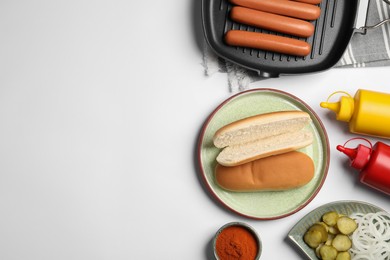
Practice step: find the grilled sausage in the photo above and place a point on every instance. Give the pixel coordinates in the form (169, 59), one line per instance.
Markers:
(287, 8)
(313, 2)
(272, 22)
(267, 42)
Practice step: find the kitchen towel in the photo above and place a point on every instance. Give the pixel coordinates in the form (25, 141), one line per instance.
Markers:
(369, 50)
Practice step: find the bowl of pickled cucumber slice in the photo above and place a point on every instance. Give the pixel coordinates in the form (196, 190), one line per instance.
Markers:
(329, 231)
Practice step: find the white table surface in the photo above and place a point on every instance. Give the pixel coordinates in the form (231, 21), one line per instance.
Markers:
(101, 104)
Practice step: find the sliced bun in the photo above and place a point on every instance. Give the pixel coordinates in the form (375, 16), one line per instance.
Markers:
(263, 135)
(239, 154)
(279, 172)
(259, 127)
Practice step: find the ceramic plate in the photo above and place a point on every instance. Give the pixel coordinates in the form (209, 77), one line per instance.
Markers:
(342, 207)
(264, 204)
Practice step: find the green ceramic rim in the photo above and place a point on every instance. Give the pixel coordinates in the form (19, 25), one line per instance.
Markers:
(263, 205)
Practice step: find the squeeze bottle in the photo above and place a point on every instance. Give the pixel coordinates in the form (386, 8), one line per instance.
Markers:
(373, 163)
(368, 112)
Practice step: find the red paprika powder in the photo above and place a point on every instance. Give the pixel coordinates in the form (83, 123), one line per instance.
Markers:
(236, 242)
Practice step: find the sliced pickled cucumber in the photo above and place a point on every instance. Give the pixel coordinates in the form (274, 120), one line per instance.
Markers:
(341, 242)
(330, 218)
(343, 256)
(320, 228)
(330, 237)
(313, 238)
(346, 225)
(328, 252)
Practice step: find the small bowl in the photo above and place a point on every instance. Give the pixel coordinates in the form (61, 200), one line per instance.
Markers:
(238, 224)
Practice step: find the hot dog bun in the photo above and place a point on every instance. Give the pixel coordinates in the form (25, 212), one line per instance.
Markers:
(239, 154)
(279, 172)
(262, 135)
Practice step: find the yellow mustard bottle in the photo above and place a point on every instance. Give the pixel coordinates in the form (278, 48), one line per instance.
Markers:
(368, 112)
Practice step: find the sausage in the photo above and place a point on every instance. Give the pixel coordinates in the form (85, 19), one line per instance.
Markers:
(295, 9)
(313, 2)
(267, 42)
(272, 22)
(279, 172)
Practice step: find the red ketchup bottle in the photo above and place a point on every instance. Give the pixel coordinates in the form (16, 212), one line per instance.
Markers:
(373, 163)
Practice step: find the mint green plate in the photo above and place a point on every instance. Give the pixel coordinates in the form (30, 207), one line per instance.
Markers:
(265, 204)
(342, 207)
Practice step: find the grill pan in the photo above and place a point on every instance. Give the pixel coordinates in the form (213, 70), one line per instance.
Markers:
(338, 21)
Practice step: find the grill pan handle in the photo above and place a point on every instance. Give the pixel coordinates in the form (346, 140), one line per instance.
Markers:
(360, 23)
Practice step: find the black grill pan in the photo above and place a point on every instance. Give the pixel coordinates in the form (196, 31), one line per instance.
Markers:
(333, 31)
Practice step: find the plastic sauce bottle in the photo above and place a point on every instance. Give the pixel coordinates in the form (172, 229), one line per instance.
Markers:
(368, 112)
(373, 163)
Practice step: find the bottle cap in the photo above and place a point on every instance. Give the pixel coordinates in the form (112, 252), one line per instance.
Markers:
(343, 109)
(359, 156)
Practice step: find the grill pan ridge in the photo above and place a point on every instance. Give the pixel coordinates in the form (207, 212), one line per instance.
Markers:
(333, 31)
